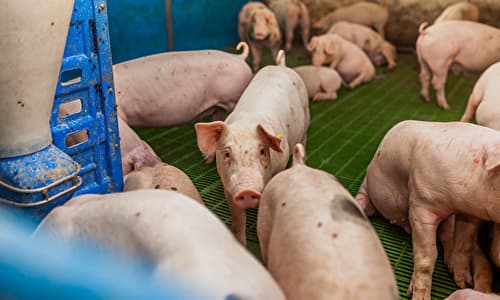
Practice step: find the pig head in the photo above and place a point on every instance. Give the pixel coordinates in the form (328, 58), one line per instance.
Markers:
(323, 49)
(243, 157)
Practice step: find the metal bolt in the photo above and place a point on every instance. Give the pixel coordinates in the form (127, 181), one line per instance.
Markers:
(101, 7)
(110, 90)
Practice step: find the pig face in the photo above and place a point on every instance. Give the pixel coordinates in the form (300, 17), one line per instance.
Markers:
(323, 50)
(243, 157)
(262, 21)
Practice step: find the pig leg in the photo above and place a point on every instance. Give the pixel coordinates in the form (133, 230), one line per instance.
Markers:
(358, 80)
(291, 21)
(238, 218)
(446, 236)
(364, 200)
(264, 227)
(387, 53)
(474, 100)
(257, 56)
(424, 225)
(483, 274)
(425, 78)
(438, 82)
(324, 96)
(274, 51)
(305, 23)
(466, 228)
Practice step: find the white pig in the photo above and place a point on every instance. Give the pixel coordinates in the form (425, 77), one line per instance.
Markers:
(468, 294)
(459, 45)
(421, 173)
(484, 101)
(181, 87)
(465, 11)
(182, 238)
(161, 176)
(291, 14)
(258, 26)
(316, 241)
(348, 59)
(255, 140)
(378, 49)
(321, 82)
(365, 13)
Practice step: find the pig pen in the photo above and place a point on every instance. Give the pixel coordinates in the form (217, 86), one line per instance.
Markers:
(342, 139)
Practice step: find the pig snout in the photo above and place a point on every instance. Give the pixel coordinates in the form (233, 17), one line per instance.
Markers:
(260, 33)
(247, 198)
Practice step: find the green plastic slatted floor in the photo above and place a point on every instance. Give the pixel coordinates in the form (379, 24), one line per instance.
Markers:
(342, 138)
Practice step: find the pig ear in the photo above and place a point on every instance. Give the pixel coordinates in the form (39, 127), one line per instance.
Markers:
(274, 141)
(208, 135)
(491, 159)
(330, 47)
(313, 43)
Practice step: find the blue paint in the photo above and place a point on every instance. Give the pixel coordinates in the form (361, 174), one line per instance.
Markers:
(44, 268)
(137, 28)
(205, 24)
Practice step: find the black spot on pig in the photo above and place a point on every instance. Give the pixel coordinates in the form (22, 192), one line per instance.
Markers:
(320, 224)
(343, 209)
(52, 24)
(173, 188)
(283, 204)
(234, 297)
(157, 186)
(334, 235)
(137, 214)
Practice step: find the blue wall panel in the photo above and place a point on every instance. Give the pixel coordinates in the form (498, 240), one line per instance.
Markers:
(137, 28)
(205, 24)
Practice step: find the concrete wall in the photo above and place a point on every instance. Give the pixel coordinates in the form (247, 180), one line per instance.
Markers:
(406, 15)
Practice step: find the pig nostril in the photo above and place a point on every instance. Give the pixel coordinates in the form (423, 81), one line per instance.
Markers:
(254, 197)
(240, 198)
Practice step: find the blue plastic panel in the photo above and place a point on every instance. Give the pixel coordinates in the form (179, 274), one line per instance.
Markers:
(86, 75)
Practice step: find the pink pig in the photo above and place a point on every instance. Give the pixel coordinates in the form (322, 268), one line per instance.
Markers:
(255, 140)
(291, 14)
(422, 173)
(348, 59)
(459, 45)
(178, 88)
(257, 25)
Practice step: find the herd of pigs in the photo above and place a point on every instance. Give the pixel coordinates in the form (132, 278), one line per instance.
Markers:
(435, 180)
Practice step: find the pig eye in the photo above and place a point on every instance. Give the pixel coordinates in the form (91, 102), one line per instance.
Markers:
(227, 154)
(262, 151)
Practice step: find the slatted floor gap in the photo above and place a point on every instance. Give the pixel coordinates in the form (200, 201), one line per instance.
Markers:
(342, 137)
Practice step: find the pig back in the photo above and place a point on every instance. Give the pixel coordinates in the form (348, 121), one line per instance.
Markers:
(277, 97)
(319, 232)
(177, 88)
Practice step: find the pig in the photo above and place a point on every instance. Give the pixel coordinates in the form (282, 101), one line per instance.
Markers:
(135, 152)
(378, 49)
(255, 140)
(484, 100)
(454, 44)
(348, 59)
(161, 176)
(321, 82)
(258, 26)
(182, 239)
(459, 237)
(291, 14)
(423, 172)
(468, 294)
(315, 240)
(177, 88)
(465, 11)
(364, 13)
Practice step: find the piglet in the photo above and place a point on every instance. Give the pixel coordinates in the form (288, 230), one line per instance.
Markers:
(316, 241)
(459, 45)
(364, 13)
(484, 101)
(291, 14)
(255, 140)
(177, 88)
(161, 176)
(378, 49)
(423, 172)
(180, 237)
(321, 82)
(348, 59)
(468, 294)
(464, 11)
(257, 25)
